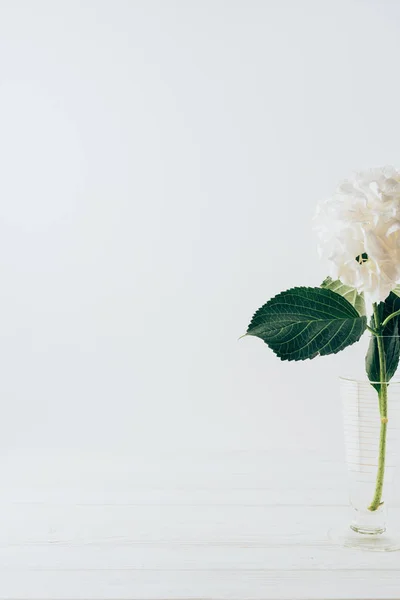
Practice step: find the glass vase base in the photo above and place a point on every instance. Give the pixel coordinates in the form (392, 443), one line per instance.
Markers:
(376, 542)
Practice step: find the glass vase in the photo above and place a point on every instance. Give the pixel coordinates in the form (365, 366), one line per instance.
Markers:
(372, 444)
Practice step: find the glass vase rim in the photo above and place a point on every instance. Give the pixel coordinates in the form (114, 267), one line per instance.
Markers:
(376, 335)
(366, 381)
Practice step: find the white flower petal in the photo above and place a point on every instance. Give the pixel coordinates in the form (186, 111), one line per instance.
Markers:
(363, 216)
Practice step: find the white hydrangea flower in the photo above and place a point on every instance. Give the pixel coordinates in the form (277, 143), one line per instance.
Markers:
(362, 219)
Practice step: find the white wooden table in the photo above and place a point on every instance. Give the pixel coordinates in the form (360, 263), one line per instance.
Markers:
(219, 526)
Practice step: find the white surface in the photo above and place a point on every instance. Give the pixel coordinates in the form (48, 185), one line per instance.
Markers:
(235, 526)
(160, 165)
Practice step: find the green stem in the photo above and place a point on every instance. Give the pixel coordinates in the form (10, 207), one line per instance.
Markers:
(386, 321)
(370, 329)
(382, 394)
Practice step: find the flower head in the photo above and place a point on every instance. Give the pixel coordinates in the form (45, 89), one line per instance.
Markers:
(358, 230)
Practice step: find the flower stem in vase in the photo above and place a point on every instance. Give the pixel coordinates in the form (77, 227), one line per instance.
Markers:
(382, 395)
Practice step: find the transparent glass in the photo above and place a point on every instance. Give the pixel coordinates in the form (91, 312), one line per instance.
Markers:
(362, 431)
(371, 424)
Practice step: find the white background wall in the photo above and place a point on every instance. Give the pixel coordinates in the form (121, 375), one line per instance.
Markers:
(159, 167)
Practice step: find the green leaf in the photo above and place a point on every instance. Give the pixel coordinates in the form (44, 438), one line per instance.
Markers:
(396, 290)
(304, 322)
(391, 342)
(348, 292)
